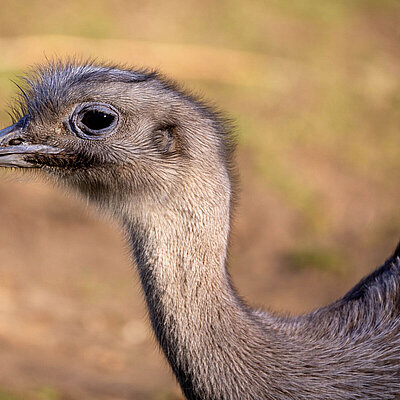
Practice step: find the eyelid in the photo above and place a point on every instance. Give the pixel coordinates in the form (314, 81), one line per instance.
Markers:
(75, 125)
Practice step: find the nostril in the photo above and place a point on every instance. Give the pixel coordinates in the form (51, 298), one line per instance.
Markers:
(15, 142)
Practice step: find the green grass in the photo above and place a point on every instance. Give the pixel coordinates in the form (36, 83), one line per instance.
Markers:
(5, 395)
(47, 393)
(313, 257)
(41, 393)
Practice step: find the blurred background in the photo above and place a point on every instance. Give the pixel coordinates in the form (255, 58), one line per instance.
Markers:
(314, 89)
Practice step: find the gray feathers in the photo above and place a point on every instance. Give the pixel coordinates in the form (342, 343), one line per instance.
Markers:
(47, 86)
(166, 175)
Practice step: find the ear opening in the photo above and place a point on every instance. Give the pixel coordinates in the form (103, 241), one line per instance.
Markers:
(167, 140)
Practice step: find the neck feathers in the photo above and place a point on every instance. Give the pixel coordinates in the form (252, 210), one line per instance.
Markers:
(180, 250)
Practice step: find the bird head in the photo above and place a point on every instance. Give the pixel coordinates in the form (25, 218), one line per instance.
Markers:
(113, 133)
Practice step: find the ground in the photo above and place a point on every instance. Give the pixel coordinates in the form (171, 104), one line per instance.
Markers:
(315, 94)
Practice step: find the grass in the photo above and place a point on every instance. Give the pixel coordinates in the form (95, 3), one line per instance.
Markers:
(5, 395)
(312, 86)
(47, 393)
(41, 393)
(313, 257)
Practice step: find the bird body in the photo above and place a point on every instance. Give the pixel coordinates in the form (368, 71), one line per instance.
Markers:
(160, 161)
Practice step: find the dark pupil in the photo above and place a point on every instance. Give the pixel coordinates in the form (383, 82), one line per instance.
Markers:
(97, 120)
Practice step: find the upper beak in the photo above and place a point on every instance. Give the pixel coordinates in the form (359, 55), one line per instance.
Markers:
(14, 147)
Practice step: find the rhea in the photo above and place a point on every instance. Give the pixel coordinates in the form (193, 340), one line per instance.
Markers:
(160, 161)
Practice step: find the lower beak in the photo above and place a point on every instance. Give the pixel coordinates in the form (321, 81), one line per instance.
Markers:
(15, 149)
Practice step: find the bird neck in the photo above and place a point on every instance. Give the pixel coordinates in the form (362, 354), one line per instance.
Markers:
(180, 251)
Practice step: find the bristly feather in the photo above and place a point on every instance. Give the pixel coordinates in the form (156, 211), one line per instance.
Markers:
(45, 86)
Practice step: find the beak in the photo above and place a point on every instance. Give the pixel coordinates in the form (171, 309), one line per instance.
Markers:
(14, 148)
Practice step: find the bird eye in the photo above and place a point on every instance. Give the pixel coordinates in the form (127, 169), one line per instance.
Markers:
(97, 120)
(94, 120)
